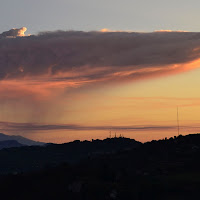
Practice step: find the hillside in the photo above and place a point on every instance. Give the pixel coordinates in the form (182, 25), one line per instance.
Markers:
(166, 169)
(31, 158)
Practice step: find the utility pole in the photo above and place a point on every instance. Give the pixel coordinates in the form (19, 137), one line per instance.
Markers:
(178, 121)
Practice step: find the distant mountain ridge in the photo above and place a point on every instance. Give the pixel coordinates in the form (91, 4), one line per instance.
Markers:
(9, 144)
(20, 139)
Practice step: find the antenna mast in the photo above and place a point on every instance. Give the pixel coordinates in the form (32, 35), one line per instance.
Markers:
(178, 121)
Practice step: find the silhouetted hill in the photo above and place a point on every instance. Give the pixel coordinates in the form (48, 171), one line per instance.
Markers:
(20, 139)
(165, 169)
(9, 144)
(30, 158)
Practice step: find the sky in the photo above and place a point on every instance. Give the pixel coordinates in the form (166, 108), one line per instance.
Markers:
(135, 15)
(78, 70)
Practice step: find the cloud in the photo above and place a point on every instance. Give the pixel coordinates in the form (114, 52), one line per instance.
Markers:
(109, 30)
(42, 69)
(169, 31)
(12, 126)
(105, 30)
(87, 57)
(15, 32)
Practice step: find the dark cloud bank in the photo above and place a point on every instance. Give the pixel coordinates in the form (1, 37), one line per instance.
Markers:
(11, 126)
(95, 55)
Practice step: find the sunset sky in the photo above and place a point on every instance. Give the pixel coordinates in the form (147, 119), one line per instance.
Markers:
(124, 68)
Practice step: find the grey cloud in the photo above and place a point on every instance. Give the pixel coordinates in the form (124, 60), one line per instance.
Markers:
(99, 55)
(15, 32)
(11, 126)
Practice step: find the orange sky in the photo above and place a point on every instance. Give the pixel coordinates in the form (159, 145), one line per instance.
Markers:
(149, 102)
(88, 101)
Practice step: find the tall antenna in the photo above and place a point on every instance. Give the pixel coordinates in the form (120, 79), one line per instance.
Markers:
(178, 121)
